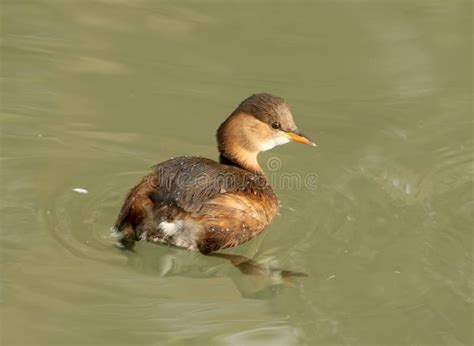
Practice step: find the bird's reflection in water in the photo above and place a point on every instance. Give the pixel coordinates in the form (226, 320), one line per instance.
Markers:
(253, 278)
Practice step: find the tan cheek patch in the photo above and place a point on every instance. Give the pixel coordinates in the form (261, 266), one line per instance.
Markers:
(262, 137)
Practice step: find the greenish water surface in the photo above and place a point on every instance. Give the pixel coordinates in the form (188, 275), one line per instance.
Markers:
(95, 92)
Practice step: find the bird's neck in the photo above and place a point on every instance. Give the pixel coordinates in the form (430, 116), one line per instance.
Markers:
(242, 159)
(236, 144)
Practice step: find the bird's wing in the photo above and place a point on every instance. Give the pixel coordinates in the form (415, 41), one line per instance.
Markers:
(190, 182)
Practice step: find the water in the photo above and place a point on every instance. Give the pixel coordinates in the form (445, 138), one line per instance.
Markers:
(95, 92)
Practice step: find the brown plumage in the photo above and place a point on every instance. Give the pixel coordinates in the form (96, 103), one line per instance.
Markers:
(200, 204)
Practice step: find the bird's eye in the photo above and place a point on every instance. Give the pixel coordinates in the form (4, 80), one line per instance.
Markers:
(276, 125)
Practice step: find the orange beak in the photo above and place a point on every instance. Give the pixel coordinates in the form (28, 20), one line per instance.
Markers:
(299, 137)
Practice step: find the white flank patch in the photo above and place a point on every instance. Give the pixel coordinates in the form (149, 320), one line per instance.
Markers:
(273, 142)
(80, 190)
(170, 228)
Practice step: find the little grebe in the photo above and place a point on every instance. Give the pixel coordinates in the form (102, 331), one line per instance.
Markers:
(200, 204)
